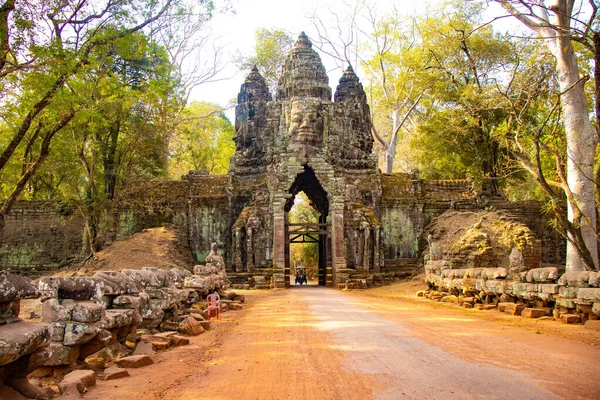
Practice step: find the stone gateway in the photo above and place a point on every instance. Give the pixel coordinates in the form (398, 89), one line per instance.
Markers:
(304, 141)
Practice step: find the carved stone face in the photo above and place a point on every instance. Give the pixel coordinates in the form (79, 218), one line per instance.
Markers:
(306, 122)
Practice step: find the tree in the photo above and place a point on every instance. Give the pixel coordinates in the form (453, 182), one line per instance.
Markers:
(46, 46)
(306, 253)
(203, 141)
(558, 22)
(270, 50)
(463, 65)
(360, 37)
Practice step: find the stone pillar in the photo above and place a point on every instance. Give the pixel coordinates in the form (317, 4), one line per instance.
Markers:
(367, 247)
(377, 251)
(237, 250)
(249, 249)
(279, 242)
(336, 211)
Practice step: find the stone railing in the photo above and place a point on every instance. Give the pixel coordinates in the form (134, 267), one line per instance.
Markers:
(97, 315)
(573, 297)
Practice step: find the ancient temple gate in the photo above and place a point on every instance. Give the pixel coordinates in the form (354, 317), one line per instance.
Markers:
(303, 141)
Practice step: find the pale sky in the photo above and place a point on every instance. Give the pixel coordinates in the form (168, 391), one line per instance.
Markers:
(236, 33)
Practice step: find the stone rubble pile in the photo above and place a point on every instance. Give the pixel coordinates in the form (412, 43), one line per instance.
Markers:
(89, 322)
(573, 297)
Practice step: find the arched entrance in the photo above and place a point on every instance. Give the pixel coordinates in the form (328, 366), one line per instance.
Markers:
(318, 232)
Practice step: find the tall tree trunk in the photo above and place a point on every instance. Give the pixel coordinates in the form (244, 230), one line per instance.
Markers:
(390, 153)
(582, 140)
(44, 151)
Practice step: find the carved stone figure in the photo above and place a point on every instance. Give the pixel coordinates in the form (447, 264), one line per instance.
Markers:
(306, 122)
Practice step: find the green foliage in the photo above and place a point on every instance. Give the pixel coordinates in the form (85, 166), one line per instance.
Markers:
(203, 141)
(306, 254)
(270, 50)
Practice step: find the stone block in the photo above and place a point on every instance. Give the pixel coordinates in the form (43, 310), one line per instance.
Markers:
(79, 381)
(535, 312)
(235, 306)
(502, 306)
(485, 307)
(549, 288)
(177, 340)
(138, 302)
(579, 279)
(569, 319)
(191, 327)
(54, 355)
(135, 361)
(588, 294)
(87, 311)
(114, 373)
(592, 324)
(542, 275)
(567, 292)
(514, 309)
(78, 333)
(19, 339)
(54, 311)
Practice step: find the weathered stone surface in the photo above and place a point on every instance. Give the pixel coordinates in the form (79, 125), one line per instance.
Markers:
(19, 339)
(115, 283)
(535, 312)
(77, 381)
(542, 275)
(78, 333)
(87, 311)
(579, 279)
(8, 291)
(588, 294)
(177, 340)
(114, 373)
(485, 307)
(24, 286)
(76, 288)
(514, 309)
(190, 326)
(135, 361)
(569, 319)
(54, 311)
(143, 278)
(53, 355)
(102, 339)
(235, 306)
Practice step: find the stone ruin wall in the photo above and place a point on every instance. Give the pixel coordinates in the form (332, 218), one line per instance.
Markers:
(101, 318)
(40, 237)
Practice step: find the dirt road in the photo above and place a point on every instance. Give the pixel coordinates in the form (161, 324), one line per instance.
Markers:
(316, 343)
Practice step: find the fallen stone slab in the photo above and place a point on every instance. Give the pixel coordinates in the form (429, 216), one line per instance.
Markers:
(21, 338)
(485, 307)
(514, 309)
(177, 340)
(79, 380)
(135, 361)
(235, 306)
(114, 373)
(191, 327)
(535, 312)
(569, 319)
(592, 324)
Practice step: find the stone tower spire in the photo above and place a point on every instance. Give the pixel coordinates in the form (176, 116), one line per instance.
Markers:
(303, 73)
(254, 88)
(349, 87)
